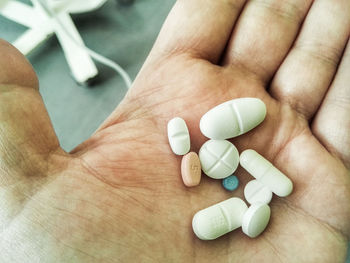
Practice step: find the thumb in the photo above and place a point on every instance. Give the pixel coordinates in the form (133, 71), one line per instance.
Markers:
(27, 138)
(14, 68)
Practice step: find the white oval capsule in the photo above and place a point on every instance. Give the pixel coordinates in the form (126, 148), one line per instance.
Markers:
(256, 219)
(256, 192)
(178, 135)
(219, 219)
(232, 118)
(266, 173)
(219, 158)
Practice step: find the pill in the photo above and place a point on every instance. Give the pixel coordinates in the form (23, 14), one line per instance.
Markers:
(256, 219)
(179, 138)
(219, 219)
(266, 173)
(230, 183)
(191, 169)
(232, 118)
(219, 158)
(256, 192)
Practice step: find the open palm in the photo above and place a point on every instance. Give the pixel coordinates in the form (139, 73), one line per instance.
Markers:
(119, 197)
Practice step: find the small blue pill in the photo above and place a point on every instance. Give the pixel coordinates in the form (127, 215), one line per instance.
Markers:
(230, 183)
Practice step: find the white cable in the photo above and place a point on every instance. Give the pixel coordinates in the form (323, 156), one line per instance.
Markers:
(106, 61)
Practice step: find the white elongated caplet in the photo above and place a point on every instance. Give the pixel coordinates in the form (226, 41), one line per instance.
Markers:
(232, 118)
(219, 219)
(266, 173)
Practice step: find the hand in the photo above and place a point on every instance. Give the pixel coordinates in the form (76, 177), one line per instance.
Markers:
(119, 197)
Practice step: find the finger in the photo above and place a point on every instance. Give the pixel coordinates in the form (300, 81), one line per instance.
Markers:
(199, 28)
(309, 68)
(264, 34)
(332, 122)
(26, 134)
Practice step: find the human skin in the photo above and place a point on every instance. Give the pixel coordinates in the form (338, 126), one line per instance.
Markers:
(119, 197)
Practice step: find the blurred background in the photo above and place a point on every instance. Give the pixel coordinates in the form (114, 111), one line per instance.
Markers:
(122, 30)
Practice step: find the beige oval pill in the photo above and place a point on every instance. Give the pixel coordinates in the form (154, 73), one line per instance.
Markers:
(191, 169)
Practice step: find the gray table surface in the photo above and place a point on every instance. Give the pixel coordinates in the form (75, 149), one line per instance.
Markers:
(122, 33)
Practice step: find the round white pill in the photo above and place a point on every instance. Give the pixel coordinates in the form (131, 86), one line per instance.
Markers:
(178, 135)
(219, 219)
(256, 219)
(232, 118)
(266, 173)
(219, 158)
(256, 192)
